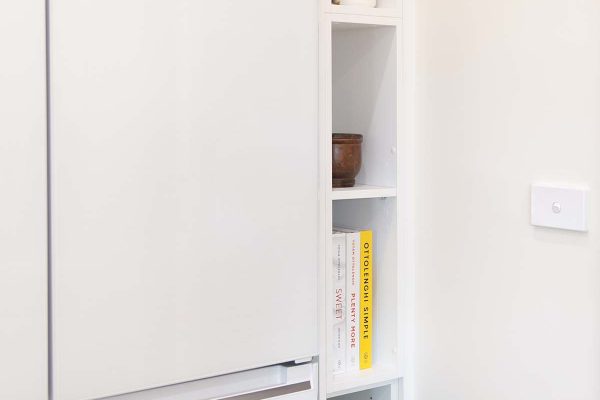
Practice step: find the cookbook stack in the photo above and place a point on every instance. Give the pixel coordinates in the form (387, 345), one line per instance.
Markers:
(352, 299)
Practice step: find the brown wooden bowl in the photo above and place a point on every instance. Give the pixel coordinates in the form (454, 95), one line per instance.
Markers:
(347, 158)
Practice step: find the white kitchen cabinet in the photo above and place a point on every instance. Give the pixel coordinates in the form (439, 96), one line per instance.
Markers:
(23, 239)
(184, 190)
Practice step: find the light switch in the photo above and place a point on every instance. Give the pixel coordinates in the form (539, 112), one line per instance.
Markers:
(559, 207)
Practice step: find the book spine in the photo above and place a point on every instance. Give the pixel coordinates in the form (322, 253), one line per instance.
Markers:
(339, 300)
(352, 300)
(366, 298)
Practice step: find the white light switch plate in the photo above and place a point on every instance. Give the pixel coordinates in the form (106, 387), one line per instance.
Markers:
(559, 207)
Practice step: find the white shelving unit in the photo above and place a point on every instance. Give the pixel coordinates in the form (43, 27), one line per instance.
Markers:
(362, 91)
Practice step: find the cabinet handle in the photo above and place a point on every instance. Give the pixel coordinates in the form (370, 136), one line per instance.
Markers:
(272, 392)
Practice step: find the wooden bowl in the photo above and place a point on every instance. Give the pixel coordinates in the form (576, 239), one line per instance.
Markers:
(347, 158)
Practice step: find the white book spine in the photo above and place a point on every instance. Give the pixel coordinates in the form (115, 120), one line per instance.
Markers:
(352, 300)
(339, 302)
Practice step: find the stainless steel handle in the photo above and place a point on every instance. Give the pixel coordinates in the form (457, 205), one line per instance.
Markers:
(256, 384)
(272, 392)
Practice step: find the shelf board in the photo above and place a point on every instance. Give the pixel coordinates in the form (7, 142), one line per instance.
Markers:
(361, 380)
(364, 11)
(362, 192)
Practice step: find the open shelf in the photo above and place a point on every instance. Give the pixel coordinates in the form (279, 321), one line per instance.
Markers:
(362, 192)
(380, 216)
(364, 96)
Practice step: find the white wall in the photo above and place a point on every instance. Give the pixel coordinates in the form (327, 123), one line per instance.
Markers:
(508, 94)
(23, 265)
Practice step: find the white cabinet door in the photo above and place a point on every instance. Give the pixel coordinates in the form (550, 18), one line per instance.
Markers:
(184, 189)
(23, 255)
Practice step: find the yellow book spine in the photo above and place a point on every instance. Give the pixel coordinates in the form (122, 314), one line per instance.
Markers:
(366, 298)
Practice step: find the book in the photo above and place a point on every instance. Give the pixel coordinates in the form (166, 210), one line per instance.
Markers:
(359, 298)
(339, 302)
(352, 298)
(366, 298)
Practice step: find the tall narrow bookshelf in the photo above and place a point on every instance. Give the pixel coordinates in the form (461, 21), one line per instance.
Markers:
(362, 91)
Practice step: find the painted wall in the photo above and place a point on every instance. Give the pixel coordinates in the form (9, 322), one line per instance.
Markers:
(508, 93)
(23, 265)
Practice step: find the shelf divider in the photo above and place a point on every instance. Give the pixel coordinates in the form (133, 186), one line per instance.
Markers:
(361, 380)
(390, 12)
(363, 192)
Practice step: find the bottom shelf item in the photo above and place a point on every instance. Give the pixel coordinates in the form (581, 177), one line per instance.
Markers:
(353, 299)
